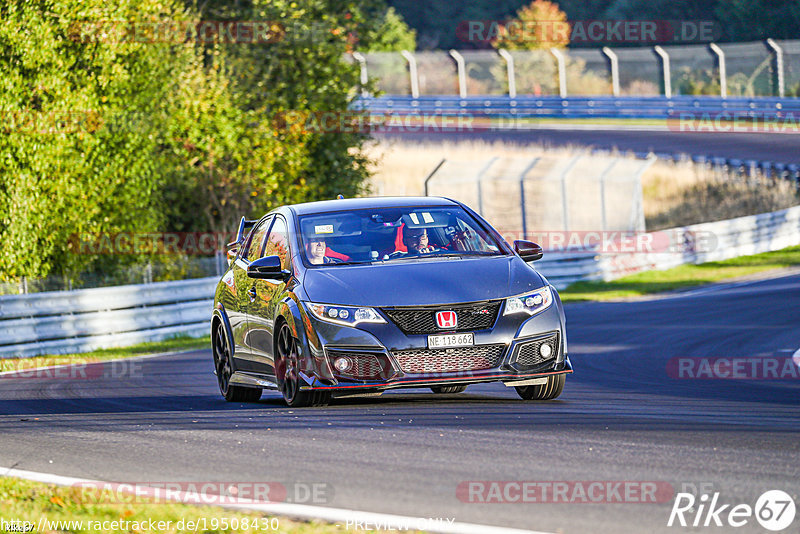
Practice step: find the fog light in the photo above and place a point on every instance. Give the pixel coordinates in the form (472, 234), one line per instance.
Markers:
(545, 350)
(342, 364)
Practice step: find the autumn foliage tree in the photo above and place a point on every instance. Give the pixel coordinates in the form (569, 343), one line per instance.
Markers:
(539, 25)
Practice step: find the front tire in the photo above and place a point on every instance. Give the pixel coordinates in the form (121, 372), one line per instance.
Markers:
(448, 389)
(548, 391)
(224, 369)
(287, 373)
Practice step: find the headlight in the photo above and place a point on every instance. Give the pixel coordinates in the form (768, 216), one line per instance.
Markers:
(344, 315)
(530, 303)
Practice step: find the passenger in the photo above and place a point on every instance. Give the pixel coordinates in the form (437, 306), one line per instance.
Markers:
(315, 248)
(417, 241)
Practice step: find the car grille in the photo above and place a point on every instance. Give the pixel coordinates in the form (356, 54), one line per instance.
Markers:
(366, 365)
(449, 360)
(528, 352)
(422, 320)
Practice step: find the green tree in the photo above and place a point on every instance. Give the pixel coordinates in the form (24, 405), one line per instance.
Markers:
(77, 153)
(176, 134)
(393, 34)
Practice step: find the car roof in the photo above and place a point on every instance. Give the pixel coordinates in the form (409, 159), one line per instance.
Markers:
(347, 204)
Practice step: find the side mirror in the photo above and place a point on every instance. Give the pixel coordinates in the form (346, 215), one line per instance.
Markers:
(267, 268)
(528, 251)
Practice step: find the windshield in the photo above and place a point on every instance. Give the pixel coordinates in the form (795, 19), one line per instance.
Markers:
(393, 234)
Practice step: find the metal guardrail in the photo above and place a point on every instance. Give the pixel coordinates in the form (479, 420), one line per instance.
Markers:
(90, 319)
(698, 243)
(576, 107)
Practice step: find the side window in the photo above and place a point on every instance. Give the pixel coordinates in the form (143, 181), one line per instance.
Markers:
(278, 242)
(256, 244)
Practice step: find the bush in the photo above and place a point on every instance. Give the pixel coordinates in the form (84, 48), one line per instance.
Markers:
(136, 135)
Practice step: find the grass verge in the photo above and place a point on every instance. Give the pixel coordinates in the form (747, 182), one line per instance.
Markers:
(682, 277)
(175, 344)
(74, 508)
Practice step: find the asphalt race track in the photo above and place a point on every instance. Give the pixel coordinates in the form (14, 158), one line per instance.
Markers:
(782, 148)
(621, 418)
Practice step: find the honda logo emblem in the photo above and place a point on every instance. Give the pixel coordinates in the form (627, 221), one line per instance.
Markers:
(446, 319)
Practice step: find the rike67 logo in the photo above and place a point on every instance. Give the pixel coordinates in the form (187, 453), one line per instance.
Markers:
(774, 510)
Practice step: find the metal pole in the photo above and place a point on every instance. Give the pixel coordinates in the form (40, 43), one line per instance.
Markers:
(412, 72)
(512, 80)
(479, 179)
(562, 72)
(779, 75)
(723, 73)
(603, 193)
(434, 171)
(462, 73)
(362, 62)
(666, 70)
(571, 164)
(531, 165)
(637, 216)
(614, 60)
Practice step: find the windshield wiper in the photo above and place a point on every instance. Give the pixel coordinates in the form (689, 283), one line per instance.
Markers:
(465, 253)
(348, 263)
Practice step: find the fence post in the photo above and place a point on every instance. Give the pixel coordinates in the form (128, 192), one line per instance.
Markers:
(637, 215)
(462, 73)
(434, 171)
(564, 203)
(531, 165)
(723, 73)
(362, 62)
(603, 175)
(665, 69)
(562, 72)
(614, 61)
(479, 179)
(512, 80)
(412, 72)
(778, 77)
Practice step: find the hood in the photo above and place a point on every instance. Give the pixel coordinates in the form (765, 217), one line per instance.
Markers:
(421, 283)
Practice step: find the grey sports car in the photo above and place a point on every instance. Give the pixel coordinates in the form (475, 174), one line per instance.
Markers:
(357, 296)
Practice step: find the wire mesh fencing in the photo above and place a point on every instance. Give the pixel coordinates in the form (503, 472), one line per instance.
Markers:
(522, 196)
(768, 68)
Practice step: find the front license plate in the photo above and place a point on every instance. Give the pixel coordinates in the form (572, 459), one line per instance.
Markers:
(451, 340)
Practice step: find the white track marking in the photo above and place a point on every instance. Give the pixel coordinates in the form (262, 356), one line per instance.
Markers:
(300, 511)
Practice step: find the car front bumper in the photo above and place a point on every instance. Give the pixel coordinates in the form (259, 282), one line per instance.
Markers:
(389, 353)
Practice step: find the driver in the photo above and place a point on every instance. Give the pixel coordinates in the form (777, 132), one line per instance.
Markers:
(416, 240)
(315, 248)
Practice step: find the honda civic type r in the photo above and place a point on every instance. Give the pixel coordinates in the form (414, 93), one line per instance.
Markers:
(357, 296)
